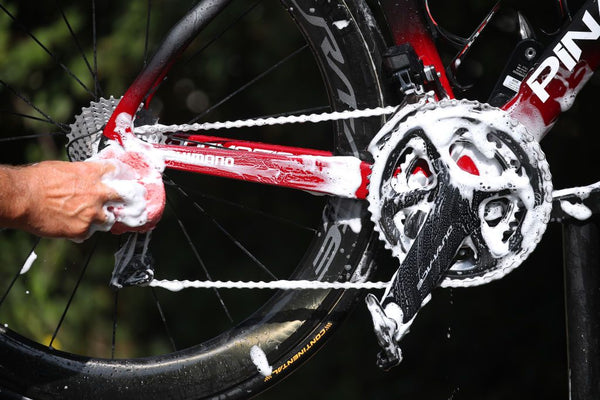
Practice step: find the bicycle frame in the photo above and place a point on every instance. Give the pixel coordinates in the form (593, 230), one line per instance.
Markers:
(548, 90)
(565, 67)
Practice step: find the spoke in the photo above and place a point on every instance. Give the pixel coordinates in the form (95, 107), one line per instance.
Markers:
(77, 43)
(163, 319)
(253, 211)
(79, 279)
(312, 110)
(33, 136)
(26, 116)
(199, 259)
(16, 276)
(236, 242)
(147, 34)
(49, 119)
(248, 84)
(97, 87)
(43, 47)
(81, 138)
(114, 326)
(224, 30)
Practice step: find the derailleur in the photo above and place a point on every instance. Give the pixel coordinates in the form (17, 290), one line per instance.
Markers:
(461, 194)
(134, 265)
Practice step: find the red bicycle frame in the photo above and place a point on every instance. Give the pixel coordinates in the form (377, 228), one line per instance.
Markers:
(549, 89)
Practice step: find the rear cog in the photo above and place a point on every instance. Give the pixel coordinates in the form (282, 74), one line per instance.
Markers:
(86, 131)
(489, 158)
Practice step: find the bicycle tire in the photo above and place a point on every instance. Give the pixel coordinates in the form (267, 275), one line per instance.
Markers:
(292, 325)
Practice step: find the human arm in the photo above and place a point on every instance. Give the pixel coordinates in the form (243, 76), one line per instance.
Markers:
(54, 198)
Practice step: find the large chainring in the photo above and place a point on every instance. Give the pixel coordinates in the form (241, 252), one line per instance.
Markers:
(429, 149)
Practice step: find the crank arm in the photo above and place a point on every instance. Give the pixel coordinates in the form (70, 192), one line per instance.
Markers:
(314, 171)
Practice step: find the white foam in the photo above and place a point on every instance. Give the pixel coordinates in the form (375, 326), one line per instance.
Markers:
(355, 224)
(576, 210)
(27, 266)
(341, 24)
(462, 128)
(259, 358)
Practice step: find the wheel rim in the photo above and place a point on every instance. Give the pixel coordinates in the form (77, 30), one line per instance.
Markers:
(336, 207)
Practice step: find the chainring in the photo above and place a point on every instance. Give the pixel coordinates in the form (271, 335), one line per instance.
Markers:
(494, 162)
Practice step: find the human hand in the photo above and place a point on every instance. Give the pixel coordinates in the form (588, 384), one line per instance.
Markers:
(56, 198)
(138, 179)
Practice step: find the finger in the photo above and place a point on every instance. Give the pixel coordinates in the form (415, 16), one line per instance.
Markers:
(111, 195)
(105, 217)
(104, 167)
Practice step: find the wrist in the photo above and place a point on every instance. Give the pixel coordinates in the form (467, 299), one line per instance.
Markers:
(14, 196)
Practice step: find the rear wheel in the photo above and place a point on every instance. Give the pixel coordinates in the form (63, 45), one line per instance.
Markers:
(288, 327)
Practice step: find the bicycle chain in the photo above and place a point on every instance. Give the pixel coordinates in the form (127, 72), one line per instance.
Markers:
(176, 285)
(86, 132)
(291, 119)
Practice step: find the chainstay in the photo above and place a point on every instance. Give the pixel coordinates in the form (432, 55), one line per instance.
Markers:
(176, 285)
(292, 119)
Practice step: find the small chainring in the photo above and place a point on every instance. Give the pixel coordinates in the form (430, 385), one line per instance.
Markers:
(493, 162)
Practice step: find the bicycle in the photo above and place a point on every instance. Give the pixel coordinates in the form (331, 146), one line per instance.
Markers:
(293, 324)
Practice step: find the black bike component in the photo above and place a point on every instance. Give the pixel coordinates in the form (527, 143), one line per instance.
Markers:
(385, 331)
(407, 72)
(134, 265)
(408, 156)
(522, 59)
(292, 325)
(581, 244)
(451, 220)
(457, 61)
(405, 68)
(460, 195)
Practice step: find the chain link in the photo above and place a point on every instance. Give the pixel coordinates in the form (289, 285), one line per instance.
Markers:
(99, 112)
(292, 119)
(175, 285)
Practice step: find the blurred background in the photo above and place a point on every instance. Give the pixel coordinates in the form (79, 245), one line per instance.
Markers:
(503, 340)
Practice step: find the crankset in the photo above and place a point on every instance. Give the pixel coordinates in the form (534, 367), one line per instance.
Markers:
(461, 194)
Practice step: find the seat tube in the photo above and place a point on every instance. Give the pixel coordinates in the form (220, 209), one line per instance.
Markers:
(174, 43)
(407, 23)
(581, 244)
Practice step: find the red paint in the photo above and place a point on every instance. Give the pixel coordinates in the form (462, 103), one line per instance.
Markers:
(407, 24)
(466, 164)
(305, 172)
(146, 175)
(234, 144)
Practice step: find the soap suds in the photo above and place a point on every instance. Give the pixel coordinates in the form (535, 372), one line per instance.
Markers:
(259, 358)
(27, 265)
